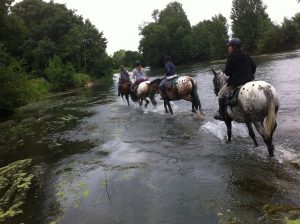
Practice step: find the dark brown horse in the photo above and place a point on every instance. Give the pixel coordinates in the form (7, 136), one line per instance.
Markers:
(183, 88)
(125, 90)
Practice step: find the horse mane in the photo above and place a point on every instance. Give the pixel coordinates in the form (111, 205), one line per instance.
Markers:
(219, 80)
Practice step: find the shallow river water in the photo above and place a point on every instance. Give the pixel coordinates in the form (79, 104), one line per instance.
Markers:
(96, 160)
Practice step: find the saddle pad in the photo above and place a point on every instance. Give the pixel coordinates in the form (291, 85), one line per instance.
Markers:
(171, 82)
(171, 77)
(147, 82)
(231, 96)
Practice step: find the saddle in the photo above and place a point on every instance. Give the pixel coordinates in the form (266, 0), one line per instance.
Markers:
(170, 81)
(231, 96)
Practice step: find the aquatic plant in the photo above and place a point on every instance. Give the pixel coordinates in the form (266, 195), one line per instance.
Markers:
(15, 181)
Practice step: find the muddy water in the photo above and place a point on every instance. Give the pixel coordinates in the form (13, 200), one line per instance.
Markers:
(96, 160)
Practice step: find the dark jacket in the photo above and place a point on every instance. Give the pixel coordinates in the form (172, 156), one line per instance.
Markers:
(124, 76)
(169, 69)
(240, 68)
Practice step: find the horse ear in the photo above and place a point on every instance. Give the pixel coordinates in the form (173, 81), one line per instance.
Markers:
(214, 71)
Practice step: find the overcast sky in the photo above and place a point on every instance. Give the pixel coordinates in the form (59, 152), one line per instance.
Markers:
(119, 19)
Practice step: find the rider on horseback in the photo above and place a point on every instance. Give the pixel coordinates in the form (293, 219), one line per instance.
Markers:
(124, 77)
(240, 68)
(170, 71)
(138, 76)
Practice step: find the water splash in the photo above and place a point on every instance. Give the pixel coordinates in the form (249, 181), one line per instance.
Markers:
(218, 128)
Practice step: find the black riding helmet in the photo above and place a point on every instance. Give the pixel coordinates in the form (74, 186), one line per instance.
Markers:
(137, 63)
(234, 42)
(167, 58)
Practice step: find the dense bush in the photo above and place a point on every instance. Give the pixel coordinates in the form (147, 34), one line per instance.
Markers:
(14, 91)
(81, 79)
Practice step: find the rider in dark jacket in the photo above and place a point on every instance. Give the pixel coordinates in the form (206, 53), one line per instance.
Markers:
(169, 71)
(240, 68)
(123, 77)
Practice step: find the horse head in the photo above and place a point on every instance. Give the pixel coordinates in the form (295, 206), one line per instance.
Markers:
(219, 80)
(154, 86)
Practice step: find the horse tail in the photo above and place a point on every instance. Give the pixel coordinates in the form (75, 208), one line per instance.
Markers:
(270, 121)
(195, 96)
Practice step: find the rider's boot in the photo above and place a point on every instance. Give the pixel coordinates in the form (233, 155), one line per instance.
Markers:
(222, 107)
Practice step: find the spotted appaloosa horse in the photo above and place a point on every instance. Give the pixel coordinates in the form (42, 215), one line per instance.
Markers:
(257, 103)
(125, 90)
(145, 90)
(185, 88)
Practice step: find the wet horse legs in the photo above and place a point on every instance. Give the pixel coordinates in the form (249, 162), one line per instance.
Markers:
(251, 133)
(167, 103)
(267, 139)
(228, 125)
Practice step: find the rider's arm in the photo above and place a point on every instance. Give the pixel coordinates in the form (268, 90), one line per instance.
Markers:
(228, 67)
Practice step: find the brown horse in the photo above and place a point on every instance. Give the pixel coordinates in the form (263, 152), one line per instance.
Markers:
(184, 88)
(146, 90)
(125, 90)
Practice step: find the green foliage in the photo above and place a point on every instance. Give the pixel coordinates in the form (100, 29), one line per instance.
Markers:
(247, 16)
(13, 86)
(171, 34)
(59, 75)
(126, 58)
(81, 79)
(38, 87)
(166, 35)
(15, 181)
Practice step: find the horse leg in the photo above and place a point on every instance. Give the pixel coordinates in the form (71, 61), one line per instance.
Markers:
(229, 127)
(127, 98)
(165, 105)
(140, 102)
(193, 107)
(170, 108)
(251, 132)
(267, 139)
(153, 101)
(147, 101)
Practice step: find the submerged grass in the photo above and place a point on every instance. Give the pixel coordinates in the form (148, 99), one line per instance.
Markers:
(15, 181)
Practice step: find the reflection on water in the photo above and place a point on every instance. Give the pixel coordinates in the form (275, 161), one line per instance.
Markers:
(96, 160)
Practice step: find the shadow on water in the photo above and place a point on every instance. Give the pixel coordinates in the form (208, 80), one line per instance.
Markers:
(97, 160)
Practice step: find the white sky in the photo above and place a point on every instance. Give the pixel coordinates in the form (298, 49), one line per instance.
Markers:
(119, 19)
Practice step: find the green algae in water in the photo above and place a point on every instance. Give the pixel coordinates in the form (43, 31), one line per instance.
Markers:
(15, 182)
(286, 213)
(297, 221)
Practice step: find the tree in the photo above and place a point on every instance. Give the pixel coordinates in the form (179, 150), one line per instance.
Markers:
(218, 36)
(200, 46)
(246, 17)
(289, 34)
(166, 35)
(13, 84)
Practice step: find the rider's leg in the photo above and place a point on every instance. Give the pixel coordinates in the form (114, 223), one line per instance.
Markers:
(222, 104)
(162, 89)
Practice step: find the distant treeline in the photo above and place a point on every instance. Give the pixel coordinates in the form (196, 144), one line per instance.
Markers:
(172, 34)
(47, 47)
